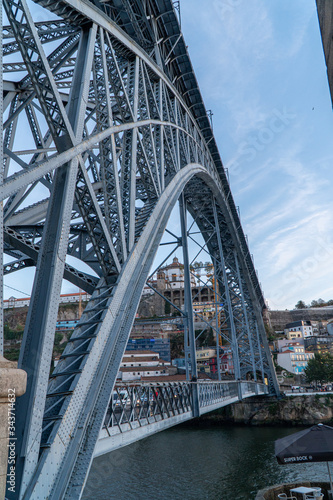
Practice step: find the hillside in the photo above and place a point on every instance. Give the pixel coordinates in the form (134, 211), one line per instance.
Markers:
(278, 319)
(14, 321)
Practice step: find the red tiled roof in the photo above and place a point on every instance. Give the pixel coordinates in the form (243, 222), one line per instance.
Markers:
(166, 378)
(128, 359)
(172, 378)
(133, 353)
(141, 368)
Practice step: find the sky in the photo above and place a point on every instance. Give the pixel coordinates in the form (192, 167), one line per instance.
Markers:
(261, 70)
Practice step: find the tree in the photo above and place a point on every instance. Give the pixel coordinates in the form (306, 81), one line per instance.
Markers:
(208, 267)
(206, 338)
(319, 368)
(300, 305)
(197, 266)
(177, 345)
(167, 308)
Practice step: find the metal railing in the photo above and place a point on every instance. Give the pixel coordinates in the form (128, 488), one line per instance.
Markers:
(134, 404)
(147, 403)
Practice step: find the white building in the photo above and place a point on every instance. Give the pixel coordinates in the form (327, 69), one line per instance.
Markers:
(138, 364)
(67, 298)
(293, 357)
(174, 275)
(281, 343)
(330, 328)
(302, 326)
(13, 302)
(294, 334)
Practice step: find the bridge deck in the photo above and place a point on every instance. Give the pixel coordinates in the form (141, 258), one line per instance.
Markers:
(138, 411)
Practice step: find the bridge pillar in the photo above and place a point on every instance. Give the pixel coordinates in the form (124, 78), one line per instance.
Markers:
(189, 307)
(260, 355)
(227, 296)
(240, 393)
(247, 325)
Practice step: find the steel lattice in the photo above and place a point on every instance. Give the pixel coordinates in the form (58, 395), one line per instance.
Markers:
(115, 133)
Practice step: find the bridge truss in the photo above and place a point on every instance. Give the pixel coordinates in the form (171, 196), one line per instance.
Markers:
(104, 132)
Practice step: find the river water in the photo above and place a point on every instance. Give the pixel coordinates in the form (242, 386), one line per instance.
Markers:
(194, 462)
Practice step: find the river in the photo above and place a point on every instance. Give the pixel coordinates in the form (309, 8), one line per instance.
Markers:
(194, 462)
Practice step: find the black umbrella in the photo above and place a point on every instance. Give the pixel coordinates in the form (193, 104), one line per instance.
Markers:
(312, 445)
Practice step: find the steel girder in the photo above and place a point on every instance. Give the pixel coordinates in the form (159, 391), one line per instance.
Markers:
(104, 129)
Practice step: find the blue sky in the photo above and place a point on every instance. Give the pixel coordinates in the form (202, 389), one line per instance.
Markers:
(261, 70)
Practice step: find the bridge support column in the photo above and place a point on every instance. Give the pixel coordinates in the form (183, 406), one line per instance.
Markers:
(260, 355)
(189, 307)
(247, 325)
(240, 393)
(227, 296)
(217, 324)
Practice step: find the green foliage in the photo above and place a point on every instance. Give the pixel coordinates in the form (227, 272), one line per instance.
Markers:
(12, 354)
(177, 345)
(314, 303)
(10, 334)
(328, 399)
(208, 266)
(319, 368)
(270, 333)
(167, 308)
(58, 338)
(206, 338)
(176, 313)
(321, 303)
(300, 305)
(59, 347)
(273, 408)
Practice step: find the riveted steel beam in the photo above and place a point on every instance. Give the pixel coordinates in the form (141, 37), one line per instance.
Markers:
(115, 131)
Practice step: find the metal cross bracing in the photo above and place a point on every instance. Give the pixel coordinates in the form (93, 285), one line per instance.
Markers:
(104, 131)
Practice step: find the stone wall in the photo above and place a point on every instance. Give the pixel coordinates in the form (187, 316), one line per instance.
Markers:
(151, 305)
(279, 319)
(297, 410)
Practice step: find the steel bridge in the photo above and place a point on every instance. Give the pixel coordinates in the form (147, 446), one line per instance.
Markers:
(104, 132)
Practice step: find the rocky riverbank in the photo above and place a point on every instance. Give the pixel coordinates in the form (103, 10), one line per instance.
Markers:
(307, 409)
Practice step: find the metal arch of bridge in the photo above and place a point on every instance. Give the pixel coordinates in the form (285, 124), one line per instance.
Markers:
(115, 132)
